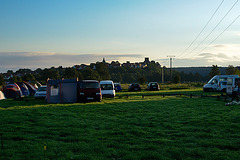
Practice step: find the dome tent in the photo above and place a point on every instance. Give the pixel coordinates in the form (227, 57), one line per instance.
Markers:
(2, 96)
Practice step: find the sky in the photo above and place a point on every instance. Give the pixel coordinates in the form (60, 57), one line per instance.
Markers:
(46, 33)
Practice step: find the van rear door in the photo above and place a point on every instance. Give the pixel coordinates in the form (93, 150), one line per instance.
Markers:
(230, 85)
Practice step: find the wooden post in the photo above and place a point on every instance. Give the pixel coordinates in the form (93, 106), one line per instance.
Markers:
(45, 148)
(1, 140)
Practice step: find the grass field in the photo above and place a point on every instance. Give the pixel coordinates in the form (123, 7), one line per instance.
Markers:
(133, 128)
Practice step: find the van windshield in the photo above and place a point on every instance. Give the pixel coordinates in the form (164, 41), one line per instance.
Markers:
(106, 87)
(90, 85)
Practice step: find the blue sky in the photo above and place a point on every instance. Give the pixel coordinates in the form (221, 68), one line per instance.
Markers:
(56, 33)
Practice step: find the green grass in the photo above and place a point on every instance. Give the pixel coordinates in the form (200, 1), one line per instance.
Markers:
(121, 128)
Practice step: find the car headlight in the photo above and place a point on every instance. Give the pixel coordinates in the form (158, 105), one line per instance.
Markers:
(82, 94)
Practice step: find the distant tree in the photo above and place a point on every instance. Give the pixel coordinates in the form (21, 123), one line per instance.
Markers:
(23, 71)
(142, 80)
(10, 72)
(102, 70)
(15, 79)
(230, 70)
(51, 73)
(197, 77)
(70, 73)
(28, 77)
(2, 81)
(116, 77)
(176, 79)
(214, 71)
(90, 74)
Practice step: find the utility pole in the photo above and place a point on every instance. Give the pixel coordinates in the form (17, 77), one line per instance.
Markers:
(171, 58)
(162, 75)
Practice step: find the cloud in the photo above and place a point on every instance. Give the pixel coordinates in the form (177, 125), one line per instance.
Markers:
(203, 59)
(33, 60)
(219, 46)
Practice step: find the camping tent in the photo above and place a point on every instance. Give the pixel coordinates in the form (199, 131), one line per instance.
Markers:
(62, 91)
(11, 91)
(23, 88)
(36, 84)
(2, 96)
(31, 88)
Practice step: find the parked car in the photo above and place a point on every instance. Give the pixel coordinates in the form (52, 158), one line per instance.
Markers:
(153, 86)
(41, 92)
(117, 87)
(107, 88)
(134, 87)
(89, 90)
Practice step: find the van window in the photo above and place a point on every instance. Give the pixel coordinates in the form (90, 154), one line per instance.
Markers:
(224, 83)
(106, 87)
(214, 81)
(89, 85)
(223, 79)
(230, 81)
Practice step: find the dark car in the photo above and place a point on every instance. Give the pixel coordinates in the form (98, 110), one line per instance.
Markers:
(89, 90)
(117, 87)
(134, 87)
(153, 86)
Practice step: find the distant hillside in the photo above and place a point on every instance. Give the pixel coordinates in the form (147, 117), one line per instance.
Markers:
(204, 71)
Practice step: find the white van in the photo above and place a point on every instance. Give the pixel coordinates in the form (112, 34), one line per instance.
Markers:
(218, 83)
(107, 88)
(232, 87)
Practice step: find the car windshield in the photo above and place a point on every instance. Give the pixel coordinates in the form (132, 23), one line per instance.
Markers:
(42, 88)
(135, 85)
(153, 84)
(117, 85)
(90, 85)
(106, 87)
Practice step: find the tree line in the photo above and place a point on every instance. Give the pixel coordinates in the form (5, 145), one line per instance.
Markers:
(101, 71)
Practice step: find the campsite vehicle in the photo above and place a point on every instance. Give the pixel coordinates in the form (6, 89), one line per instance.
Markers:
(62, 91)
(89, 90)
(217, 83)
(41, 92)
(232, 87)
(134, 87)
(107, 88)
(117, 87)
(153, 86)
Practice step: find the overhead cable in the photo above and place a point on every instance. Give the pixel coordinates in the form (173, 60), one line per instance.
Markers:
(201, 30)
(213, 28)
(219, 35)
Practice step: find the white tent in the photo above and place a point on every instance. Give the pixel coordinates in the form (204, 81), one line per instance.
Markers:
(2, 95)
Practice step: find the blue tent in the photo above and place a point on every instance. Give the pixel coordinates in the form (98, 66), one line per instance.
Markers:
(23, 88)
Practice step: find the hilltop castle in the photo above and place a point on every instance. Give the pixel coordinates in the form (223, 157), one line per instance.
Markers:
(116, 64)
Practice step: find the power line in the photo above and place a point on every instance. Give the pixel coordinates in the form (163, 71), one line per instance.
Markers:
(213, 28)
(201, 30)
(219, 34)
